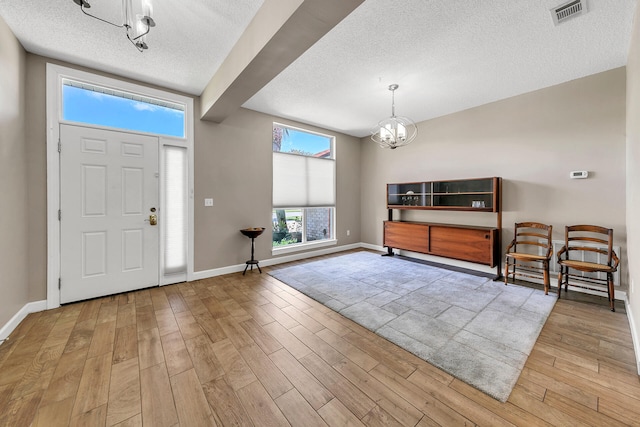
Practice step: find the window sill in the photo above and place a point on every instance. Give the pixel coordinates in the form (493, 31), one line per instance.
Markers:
(303, 246)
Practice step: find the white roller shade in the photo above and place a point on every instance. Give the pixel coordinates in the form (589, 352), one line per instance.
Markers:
(302, 181)
(175, 218)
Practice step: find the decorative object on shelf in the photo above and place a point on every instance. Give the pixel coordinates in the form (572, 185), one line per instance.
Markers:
(252, 233)
(395, 131)
(143, 23)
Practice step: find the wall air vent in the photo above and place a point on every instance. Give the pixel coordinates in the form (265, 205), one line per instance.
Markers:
(568, 10)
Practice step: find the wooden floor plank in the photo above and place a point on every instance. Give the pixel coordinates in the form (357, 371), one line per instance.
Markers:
(191, 404)
(66, 378)
(126, 315)
(149, 348)
(225, 404)
(204, 359)
(124, 392)
(158, 407)
(262, 338)
(335, 414)
(317, 345)
(236, 371)
(56, 414)
(95, 417)
(188, 325)
(93, 390)
(145, 317)
(261, 408)
(236, 334)
(176, 355)
(166, 321)
(293, 345)
(249, 350)
(353, 353)
(40, 372)
(103, 339)
(308, 386)
(298, 411)
(378, 417)
(269, 375)
(394, 405)
(434, 408)
(126, 343)
(339, 386)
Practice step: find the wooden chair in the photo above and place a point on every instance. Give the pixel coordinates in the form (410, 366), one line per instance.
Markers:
(529, 252)
(588, 249)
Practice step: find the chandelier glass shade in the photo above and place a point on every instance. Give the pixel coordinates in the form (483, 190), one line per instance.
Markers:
(136, 28)
(395, 131)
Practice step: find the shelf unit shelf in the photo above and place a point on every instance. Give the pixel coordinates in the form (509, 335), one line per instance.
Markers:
(457, 241)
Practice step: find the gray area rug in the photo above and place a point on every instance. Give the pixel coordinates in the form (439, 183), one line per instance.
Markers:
(478, 330)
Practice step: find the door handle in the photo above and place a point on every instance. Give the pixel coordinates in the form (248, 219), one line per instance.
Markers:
(153, 219)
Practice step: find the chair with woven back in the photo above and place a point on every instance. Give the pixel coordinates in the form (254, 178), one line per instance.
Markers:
(588, 249)
(529, 252)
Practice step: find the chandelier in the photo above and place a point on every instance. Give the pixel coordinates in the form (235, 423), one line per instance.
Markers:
(394, 131)
(143, 23)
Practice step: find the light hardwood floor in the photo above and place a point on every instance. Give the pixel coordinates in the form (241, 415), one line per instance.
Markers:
(236, 350)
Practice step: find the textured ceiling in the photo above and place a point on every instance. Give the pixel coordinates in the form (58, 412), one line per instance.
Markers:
(186, 47)
(446, 55)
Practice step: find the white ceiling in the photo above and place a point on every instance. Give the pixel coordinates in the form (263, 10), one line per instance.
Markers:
(446, 55)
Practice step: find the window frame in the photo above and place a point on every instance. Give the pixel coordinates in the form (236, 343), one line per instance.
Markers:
(304, 245)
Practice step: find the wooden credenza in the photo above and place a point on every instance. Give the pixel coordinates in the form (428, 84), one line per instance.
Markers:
(458, 241)
(462, 242)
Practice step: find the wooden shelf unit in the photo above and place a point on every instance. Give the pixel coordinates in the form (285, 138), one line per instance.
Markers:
(457, 241)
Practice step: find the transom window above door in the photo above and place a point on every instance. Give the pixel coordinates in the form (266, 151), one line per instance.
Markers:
(101, 106)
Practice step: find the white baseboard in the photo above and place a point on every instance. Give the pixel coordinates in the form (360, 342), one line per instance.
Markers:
(205, 274)
(634, 332)
(12, 324)
(373, 247)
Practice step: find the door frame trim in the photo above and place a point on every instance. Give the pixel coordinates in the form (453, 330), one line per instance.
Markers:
(54, 76)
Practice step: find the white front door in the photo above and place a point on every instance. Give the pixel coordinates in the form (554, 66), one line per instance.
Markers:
(108, 195)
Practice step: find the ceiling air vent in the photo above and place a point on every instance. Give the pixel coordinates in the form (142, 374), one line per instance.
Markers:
(569, 10)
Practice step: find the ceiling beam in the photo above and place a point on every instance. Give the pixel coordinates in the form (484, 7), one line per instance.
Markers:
(281, 31)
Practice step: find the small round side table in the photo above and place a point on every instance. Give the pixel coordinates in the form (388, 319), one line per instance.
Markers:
(252, 233)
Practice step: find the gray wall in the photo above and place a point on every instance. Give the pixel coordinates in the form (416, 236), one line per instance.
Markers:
(14, 257)
(532, 141)
(232, 166)
(633, 178)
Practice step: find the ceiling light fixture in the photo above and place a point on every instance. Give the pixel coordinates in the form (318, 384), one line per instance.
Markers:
(143, 23)
(395, 131)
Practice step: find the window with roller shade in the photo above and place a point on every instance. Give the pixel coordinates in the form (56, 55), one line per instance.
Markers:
(303, 187)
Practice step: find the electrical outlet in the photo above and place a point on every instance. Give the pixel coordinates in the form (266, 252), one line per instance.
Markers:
(208, 202)
(348, 232)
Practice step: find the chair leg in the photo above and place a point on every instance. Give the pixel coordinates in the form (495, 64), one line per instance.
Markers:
(506, 270)
(545, 266)
(560, 282)
(611, 292)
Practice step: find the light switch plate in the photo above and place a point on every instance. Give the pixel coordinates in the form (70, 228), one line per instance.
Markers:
(578, 174)
(208, 202)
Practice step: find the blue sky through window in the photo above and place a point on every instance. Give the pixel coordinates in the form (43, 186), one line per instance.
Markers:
(300, 141)
(87, 106)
